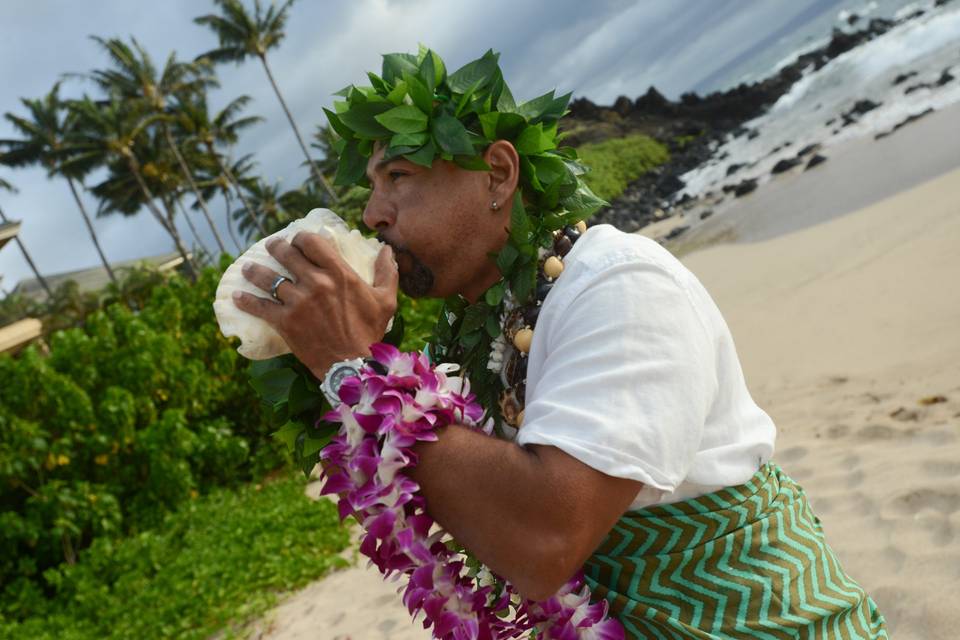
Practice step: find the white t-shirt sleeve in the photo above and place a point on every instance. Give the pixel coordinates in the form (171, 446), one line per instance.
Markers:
(624, 374)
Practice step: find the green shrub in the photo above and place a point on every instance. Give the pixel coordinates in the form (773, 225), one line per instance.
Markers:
(217, 562)
(617, 162)
(127, 418)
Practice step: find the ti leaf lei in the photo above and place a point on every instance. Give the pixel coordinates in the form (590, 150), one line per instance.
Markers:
(421, 113)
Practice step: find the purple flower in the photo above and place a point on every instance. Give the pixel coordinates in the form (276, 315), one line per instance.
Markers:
(382, 417)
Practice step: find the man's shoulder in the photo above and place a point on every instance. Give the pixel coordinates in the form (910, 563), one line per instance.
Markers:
(604, 247)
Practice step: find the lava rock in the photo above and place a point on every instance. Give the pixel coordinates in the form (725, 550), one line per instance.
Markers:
(733, 168)
(745, 187)
(653, 103)
(906, 121)
(676, 231)
(706, 214)
(785, 165)
(945, 77)
(810, 148)
(814, 161)
(623, 106)
(861, 107)
(668, 184)
(903, 77)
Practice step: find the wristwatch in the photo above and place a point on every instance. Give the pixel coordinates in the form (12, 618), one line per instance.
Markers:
(337, 373)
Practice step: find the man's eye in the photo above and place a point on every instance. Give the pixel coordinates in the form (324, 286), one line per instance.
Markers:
(396, 174)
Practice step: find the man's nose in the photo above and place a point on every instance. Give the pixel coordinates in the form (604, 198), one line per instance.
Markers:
(378, 214)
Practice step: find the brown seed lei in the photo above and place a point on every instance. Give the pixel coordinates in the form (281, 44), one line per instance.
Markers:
(520, 323)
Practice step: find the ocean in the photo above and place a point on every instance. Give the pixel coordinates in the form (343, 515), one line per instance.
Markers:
(904, 73)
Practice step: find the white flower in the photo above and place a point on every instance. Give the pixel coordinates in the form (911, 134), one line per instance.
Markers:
(497, 349)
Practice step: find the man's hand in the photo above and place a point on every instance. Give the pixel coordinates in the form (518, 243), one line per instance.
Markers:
(327, 313)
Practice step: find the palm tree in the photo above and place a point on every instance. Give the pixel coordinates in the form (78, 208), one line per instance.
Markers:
(242, 35)
(135, 77)
(267, 206)
(43, 143)
(240, 173)
(323, 141)
(4, 185)
(194, 118)
(177, 200)
(108, 134)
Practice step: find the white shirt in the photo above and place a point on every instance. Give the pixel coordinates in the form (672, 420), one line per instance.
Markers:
(633, 371)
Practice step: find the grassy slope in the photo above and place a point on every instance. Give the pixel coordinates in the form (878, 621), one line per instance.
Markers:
(211, 566)
(616, 162)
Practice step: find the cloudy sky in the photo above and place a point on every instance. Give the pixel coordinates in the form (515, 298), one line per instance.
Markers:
(598, 49)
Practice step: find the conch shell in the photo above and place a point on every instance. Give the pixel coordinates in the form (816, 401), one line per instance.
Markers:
(258, 339)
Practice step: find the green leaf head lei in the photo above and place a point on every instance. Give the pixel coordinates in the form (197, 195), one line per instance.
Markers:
(420, 112)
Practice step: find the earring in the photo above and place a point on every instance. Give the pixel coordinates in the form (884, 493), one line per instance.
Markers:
(495, 206)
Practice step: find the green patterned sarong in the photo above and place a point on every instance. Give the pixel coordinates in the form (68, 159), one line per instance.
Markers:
(745, 562)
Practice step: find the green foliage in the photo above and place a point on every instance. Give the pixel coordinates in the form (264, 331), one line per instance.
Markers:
(418, 112)
(419, 315)
(616, 162)
(216, 563)
(127, 418)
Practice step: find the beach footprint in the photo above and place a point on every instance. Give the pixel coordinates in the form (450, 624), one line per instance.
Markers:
(877, 432)
(792, 454)
(941, 468)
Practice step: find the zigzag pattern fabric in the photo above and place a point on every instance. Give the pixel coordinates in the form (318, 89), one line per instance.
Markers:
(745, 562)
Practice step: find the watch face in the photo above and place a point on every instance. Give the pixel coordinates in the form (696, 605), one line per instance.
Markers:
(338, 375)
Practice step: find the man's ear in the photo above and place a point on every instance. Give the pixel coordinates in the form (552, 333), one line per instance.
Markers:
(504, 174)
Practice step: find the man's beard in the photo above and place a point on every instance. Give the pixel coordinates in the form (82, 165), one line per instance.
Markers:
(416, 278)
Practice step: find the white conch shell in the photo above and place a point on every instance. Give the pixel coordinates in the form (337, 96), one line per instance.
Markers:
(258, 339)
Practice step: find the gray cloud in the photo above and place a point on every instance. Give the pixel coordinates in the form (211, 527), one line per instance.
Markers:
(599, 49)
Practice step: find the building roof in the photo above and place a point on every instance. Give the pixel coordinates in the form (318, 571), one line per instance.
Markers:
(8, 231)
(94, 278)
(15, 335)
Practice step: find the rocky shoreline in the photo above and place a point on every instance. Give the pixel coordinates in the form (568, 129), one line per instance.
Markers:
(694, 127)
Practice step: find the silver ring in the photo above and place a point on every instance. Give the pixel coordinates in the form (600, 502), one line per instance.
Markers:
(276, 283)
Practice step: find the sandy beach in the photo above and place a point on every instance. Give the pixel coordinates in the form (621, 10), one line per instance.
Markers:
(841, 293)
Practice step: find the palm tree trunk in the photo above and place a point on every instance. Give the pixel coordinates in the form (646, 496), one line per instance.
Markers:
(193, 186)
(193, 229)
(236, 185)
(93, 233)
(226, 198)
(168, 226)
(313, 166)
(26, 254)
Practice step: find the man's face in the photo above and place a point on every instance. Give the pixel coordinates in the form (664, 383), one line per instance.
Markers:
(440, 224)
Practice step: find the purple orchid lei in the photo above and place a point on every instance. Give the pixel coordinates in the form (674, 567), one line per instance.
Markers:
(382, 415)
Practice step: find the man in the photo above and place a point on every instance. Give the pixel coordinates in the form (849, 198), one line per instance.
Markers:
(635, 404)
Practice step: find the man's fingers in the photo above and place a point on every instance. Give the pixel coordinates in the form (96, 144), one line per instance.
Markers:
(260, 307)
(385, 272)
(264, 277)
(290, 257)
(317, 249)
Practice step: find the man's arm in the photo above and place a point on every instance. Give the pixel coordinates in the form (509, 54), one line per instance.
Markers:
(532, 514)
